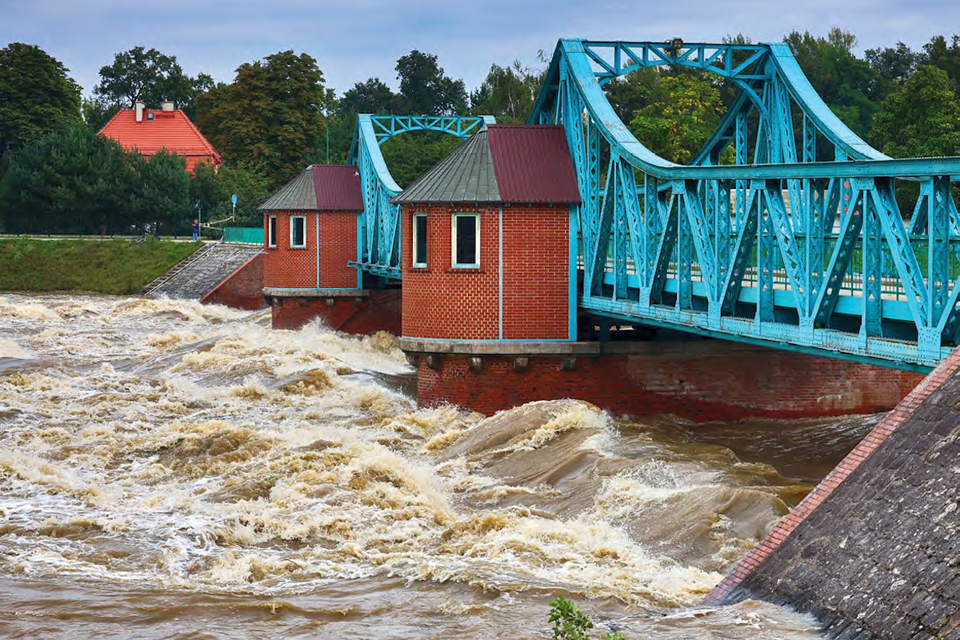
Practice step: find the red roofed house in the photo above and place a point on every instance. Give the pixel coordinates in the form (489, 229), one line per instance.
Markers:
(149, 130)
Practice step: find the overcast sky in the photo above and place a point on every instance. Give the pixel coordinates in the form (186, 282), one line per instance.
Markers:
(353, 40)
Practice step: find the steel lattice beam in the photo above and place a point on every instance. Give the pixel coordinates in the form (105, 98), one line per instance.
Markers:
(804, 255)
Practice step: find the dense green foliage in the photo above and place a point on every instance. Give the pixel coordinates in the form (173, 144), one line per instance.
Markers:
(36, 95)
(77, 182)
(147, 76)
(111, 266)
(211, 193)
(682, 113)
(265, 117)
(276, 116)
(921, 120)
(569, 623)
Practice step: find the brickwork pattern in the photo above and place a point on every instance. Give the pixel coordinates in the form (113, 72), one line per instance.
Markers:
(440, 301)
(699, 380)
(536, 249)
(380, 311)
(243, 289)
(464, 304)
(292, 268)
(872, 550)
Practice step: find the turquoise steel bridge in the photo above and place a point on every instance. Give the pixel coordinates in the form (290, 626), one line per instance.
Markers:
(766, 243)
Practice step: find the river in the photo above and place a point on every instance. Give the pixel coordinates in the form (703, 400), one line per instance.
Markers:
(172, 470)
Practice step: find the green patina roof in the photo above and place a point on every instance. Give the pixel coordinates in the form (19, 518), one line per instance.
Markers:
(297, 195)
(466, 175)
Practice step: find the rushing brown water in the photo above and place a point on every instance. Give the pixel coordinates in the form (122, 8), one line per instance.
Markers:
(172, 470)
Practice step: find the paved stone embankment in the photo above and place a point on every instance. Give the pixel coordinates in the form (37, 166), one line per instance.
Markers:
(200, 274)
(874, 550)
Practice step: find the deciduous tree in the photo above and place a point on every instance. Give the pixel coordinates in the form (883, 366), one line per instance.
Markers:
(36, 95)
(683, 113)
(845, 82)
(149, 76)
(507, 93)
(922, 119)
(425, 90)
(265, 118)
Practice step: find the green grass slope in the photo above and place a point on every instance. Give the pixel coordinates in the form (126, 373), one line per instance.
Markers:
(101, 266)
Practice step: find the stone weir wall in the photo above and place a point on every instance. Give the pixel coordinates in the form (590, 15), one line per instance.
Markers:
(357, 311)
(874, 549)
(698, 379)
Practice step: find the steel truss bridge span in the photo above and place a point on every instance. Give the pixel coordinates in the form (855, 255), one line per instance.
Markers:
(786, 229)
(378, 231)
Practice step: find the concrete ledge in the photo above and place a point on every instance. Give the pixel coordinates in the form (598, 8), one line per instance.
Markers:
(273, 292)
(532, 348)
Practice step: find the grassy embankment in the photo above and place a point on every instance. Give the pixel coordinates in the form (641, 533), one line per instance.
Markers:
(102, 266)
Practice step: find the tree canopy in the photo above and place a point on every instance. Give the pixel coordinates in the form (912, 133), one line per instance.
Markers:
(922, 119)
(425, 90)
(271, 119)
(267, 117)
(36, 95)
(682, 113)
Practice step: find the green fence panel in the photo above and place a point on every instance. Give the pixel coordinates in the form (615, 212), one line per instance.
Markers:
(243, 235)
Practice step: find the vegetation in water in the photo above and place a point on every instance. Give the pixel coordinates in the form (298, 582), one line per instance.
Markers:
(110, 266)
(569, 623)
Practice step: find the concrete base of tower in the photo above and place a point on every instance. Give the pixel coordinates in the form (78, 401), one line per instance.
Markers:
(357, 311)
(699, 379)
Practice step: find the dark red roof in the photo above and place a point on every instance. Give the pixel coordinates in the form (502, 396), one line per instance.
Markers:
(337, 187)
(170, 130)
(533, 163)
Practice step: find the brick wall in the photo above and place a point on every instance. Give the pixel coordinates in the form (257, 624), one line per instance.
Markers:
(243, 289)
(536, 249)
(701, 380)
(872, 550)
(441, 302)
(464, 304)
(379, 311)
(291, 268)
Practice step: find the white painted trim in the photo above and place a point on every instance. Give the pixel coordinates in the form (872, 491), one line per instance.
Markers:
(298, 246)
(453, 242)
(413, 248)
(271, 232)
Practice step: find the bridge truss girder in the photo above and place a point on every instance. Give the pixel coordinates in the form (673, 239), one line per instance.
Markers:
(786, 251)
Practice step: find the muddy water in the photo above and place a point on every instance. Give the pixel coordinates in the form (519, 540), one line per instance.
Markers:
(171, 470)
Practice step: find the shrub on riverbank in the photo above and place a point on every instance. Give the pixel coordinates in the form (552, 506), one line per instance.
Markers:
(100, 266)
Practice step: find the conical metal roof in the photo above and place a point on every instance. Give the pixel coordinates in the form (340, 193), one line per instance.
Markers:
(502, 163)
(466, 175)
(297, 195)
(320, 187)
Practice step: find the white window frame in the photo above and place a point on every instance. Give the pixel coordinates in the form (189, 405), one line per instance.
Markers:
(292, 226)
(453, 232)
(271, 232)
(416, 239)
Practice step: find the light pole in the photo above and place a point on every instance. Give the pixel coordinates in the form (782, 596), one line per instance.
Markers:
(322, 110)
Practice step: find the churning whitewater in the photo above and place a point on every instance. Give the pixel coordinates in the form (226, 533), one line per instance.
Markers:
(169, 469)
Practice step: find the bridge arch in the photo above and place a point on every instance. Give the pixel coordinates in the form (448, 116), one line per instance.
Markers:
(378, 228)
(777, 248)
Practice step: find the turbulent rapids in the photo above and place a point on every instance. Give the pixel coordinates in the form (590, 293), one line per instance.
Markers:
(175, 470)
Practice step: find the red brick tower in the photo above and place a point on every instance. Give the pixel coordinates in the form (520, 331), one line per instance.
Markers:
(310, 237)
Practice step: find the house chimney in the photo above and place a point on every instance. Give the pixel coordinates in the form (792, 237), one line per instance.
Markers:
(166, 106)
(139, 107)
